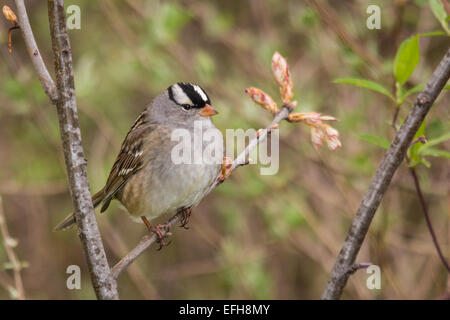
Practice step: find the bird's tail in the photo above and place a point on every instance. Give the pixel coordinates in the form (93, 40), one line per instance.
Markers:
(69, 221)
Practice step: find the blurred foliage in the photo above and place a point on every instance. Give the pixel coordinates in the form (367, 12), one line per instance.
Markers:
(255, 236)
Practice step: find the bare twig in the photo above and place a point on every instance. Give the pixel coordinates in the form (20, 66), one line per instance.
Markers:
(331, 18)
(420, 139)
(394, 120)
(419, 192)
(114, 240)
(358, 266)
(6, 282)
(383, 176)
(16, 265)
(427, 217)
(104, 285)
(33, 51)
(240, 160)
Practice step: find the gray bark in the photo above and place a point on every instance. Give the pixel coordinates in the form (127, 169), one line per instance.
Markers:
(383, 176)
(104, 284)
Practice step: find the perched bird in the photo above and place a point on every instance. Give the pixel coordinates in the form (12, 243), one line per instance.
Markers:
(144, 177)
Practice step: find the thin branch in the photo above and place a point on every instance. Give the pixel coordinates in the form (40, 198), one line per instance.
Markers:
(104, 285)
(33, 51)
(6, 282)
(240, 160)
(16, 265)
(358, 266)
(331, 18)
(428, 218)
(419, 192)
(146, 241)
(383, 176)
(394, 120)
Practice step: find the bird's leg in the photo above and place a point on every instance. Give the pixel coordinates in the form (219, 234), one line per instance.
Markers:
(186, 215)
(161, 231)
(226, 169)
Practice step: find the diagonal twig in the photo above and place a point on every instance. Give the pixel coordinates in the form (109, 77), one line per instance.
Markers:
(331, 18)
(428, 218)
(240, 160)
(33, 51)
(16, 265)
(383, 176)
(358, 266)
(419, 192)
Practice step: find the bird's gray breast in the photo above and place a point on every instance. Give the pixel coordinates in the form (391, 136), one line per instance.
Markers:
(184, 175)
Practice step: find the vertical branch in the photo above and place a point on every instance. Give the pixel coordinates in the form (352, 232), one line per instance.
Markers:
(383, 176)
(104, 285)
(16, 265)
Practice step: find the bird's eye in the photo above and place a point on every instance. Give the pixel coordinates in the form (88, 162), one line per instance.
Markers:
(186, 106)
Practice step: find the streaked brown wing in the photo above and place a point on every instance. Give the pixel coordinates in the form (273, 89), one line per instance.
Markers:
(130, 159)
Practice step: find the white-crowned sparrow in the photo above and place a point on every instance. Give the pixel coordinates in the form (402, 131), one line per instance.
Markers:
(144, 178)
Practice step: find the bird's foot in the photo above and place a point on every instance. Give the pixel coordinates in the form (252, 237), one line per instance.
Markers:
(186, 216)
(161, 231)
(225, 172)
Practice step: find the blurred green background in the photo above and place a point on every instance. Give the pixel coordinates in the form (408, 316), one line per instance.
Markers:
(254, 237)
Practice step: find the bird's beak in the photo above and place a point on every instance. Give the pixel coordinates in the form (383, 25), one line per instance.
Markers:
(207, 111)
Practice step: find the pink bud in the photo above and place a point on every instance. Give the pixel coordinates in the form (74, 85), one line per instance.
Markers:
(328, 118)
(262, 98)
(9, 14)
(316, 137)
(306, 117)
(282, 76)
(330, 131)
(333, 143)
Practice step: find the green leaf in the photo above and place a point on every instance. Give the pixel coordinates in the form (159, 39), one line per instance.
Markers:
(436, 141)
(425, 162)
(447, 87)
(406, 59)
(418, 151)
(432, 34)
(413, 151)
(438, 9)
(411, 91)
(439, 12)
(363, 83)
(167, 24)
(419, 160)
(435, 153)
(376, 140)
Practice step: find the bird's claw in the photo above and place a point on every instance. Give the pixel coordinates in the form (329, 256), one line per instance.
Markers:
(186, 216)
(161, 231)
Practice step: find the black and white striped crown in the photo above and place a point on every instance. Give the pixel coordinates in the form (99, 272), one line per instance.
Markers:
(185, 93)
